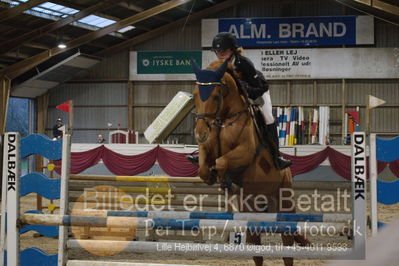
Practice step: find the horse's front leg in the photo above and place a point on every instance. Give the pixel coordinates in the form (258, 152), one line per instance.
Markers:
(233, 159)
(204, 168)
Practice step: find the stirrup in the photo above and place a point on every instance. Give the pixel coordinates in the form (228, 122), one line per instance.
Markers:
(283, 163)
(194, 159)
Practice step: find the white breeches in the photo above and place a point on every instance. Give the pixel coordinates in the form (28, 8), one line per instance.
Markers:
(267, 108)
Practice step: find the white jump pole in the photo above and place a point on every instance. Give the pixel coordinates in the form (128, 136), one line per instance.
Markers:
(11, 173)
(345, 129)
(373, 184)
(184, 224)
(116, 263)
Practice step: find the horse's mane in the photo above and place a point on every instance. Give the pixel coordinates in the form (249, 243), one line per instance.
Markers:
(227, 76)
(215, 64)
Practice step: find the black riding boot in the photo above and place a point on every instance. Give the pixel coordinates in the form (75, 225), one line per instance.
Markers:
(279, 161)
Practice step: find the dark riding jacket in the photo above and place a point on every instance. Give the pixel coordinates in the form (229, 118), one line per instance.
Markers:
(255, 82)
(57, 133)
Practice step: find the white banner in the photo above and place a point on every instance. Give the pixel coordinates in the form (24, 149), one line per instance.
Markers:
(304, 63)
(322, 63)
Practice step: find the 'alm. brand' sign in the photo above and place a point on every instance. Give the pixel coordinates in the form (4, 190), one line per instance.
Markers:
(166, 62)
(292, 31)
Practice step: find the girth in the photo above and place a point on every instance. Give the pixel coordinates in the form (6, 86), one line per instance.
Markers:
(236, 174)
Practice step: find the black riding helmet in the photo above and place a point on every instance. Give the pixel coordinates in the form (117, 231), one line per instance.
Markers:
(224, 41)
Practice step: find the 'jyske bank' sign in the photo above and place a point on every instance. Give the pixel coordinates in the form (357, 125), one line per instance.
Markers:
(292, 31)
(161, 62)
(163, 65)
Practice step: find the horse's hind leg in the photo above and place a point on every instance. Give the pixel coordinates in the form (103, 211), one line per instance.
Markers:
(286, 205)
(254, 239)
(288, 241)
(237, 157)
(302, 240)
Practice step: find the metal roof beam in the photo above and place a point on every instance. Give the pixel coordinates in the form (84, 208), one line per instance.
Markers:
(68, 38)
(7, 60)
(123, 4)
(156, 32)
(131, 6)
(5, 88)
(101, 14)
(36, 45)
(17, 42)
(179, 8)
(21, 67)
(377, 8)
(17, 54)
(381, 5)
(140, 9)
(14, 11)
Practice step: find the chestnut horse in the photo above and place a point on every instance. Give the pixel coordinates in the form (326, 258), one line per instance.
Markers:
(230, 151)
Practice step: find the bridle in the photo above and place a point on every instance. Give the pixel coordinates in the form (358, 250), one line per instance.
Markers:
(217, 120)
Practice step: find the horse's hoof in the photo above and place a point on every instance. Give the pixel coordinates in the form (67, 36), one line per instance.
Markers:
(226, 184)
(210, 182)
(235, 189)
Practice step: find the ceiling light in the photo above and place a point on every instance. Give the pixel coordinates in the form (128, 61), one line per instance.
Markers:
(125, 29)
(62, 45)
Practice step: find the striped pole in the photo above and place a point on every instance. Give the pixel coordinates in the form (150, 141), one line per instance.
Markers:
(117, 263)
(315, 125)
(209, 249)
(187, 224)
(160, 179)
(292, 127)
(345, 129)
(128, 200)
(301, 126)
(283, 127)
(279, 122)
(287, 130)
(373, 184)
(255, 217)
(155, 190)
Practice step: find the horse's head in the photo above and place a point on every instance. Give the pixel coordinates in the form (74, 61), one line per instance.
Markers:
(208, 95)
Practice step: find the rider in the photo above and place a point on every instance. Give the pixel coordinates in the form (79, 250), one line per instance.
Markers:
(225, 46)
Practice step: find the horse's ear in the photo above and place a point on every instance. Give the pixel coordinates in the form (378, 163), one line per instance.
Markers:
(220, 71)
(195, 67)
